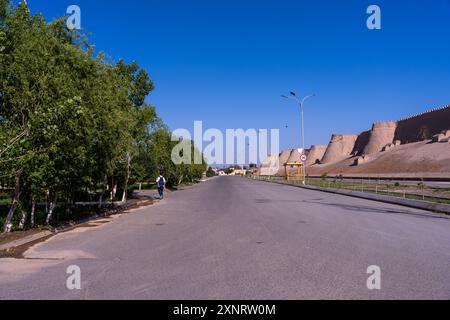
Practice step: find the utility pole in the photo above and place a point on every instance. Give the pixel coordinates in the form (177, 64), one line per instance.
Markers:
(301, 103)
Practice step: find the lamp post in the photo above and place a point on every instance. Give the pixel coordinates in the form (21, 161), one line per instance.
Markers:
(301, 102)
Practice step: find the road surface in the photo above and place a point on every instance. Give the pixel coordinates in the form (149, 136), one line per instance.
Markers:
(233, 238)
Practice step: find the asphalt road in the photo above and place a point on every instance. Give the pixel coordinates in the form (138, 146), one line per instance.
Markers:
(233, 238)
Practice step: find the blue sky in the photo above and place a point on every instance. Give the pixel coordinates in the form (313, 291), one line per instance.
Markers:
(227, 62)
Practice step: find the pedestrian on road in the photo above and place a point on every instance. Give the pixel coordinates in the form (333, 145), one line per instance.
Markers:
(161, 183)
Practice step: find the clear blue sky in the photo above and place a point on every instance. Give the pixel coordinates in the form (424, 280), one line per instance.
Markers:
(227, 62)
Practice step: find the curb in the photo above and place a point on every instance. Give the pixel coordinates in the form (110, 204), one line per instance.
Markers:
(68, 226)
(25, 240)
(416, 204)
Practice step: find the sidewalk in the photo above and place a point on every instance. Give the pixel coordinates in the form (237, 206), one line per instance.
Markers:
(74, 224)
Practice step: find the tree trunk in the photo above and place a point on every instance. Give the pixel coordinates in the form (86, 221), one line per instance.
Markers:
(23, 220)
(33, 210)
(69, 204)
(47, 195)
(113, 190)
(15, 203)
(127, 178)
(51, 208)
(105, 187)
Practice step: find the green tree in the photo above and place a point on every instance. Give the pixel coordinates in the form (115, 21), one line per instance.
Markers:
(71, 122)
(210, 172)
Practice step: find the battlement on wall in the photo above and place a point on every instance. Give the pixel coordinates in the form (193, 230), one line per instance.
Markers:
(428, 112)
(423, 126)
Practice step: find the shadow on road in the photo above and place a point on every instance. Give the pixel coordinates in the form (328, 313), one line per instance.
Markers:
(367, 209)
(283, 200)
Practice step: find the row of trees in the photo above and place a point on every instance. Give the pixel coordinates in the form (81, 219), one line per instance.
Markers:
(73, 123)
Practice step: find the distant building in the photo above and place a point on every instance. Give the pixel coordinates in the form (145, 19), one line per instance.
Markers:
(240, 172)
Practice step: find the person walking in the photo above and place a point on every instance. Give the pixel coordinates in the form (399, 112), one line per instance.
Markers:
(161, 184)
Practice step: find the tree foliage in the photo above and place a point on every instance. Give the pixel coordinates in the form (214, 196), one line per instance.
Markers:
(71, 123)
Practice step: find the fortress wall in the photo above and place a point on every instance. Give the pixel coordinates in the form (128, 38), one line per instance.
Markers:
(284, 157)
(316, 154)
(361, 142)
(412, 129)
(382, 133)
(270, 166)
(295, 156)
(423, 126)
(340, 147)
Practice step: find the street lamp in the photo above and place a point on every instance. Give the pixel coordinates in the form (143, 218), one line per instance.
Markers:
(301, 102)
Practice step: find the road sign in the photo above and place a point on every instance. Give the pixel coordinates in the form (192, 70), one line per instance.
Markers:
(303, 158)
